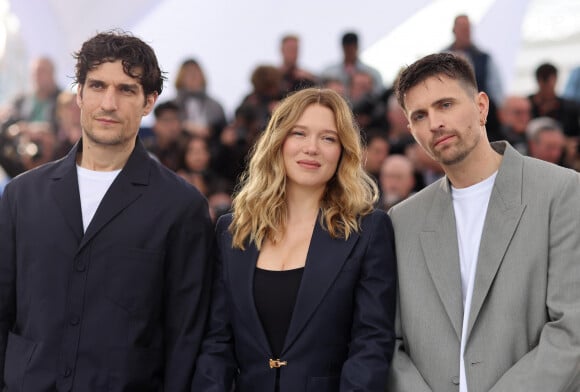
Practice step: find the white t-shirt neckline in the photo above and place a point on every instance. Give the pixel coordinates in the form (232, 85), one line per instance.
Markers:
(93, 185)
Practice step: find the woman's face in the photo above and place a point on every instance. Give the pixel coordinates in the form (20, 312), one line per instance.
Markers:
(312, 149)
(192, 78)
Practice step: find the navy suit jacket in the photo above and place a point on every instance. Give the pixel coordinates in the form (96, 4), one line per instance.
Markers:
(341, 334)
(120, 307)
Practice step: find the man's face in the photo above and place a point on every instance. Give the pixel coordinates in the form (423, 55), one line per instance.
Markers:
(462, 32)
(548, 85)
(446, 118)
(167, 125)
(112, 104)
(516, 113)
(548, 146)
(290, 51)
(361, 85)
(350, 52)
(43, 76)
(397, 178)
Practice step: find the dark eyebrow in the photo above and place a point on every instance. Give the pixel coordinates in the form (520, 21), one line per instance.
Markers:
(121, 85)
(414, 112)
(134, 86)
(435, 103)
(92, 80)
(442, 100)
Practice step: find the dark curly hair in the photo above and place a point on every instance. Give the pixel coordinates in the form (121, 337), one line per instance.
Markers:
(138, 58)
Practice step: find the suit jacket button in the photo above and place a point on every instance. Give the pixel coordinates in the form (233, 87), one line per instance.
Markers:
(74, 319)
(81, 267)
(455, 380)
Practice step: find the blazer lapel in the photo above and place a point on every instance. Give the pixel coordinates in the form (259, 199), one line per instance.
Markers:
(127, 187)
(439, 244)
(503, 216)
(241, 280)
(65, 191)
(325, 258)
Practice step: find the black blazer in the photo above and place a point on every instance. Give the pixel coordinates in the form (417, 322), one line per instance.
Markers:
(118, 308)
(341, 334)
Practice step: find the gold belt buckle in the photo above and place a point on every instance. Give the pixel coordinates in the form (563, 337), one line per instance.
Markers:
(276, 363)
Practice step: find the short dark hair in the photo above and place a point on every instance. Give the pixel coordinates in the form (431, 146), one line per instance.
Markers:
(447, 64)
(545, 70)
(350, 38)
(138, 58)
(165, 107)
(370, 135)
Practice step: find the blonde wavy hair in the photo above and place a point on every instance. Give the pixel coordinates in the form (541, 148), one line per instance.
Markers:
(259, 206)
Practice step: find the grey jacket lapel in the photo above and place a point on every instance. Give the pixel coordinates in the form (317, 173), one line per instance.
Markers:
(439, 244)
(503, 215)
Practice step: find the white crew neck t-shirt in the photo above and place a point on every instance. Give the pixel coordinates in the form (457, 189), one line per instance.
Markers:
(470, 207)
(92, 188)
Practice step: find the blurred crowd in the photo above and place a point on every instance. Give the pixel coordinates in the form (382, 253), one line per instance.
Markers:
(192, 135)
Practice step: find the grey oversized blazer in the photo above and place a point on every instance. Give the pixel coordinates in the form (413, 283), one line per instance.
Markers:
(524, 322)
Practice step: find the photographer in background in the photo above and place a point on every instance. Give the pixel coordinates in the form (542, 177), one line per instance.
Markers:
(28, 126)
(26, 145)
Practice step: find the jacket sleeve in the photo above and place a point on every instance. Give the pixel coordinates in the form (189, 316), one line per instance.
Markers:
(372, 333)
(403, 374)
(186, 292)
(216, 364)
(7, 276)
(554, 364)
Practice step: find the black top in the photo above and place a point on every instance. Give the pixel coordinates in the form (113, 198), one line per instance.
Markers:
(275, 295)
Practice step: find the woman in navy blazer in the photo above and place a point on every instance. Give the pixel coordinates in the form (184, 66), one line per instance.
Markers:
(304, 289)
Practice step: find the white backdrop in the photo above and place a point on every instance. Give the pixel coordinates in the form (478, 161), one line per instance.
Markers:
(230, 38)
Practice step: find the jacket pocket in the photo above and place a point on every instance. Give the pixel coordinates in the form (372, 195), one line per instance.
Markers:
(323, 384)
(136, 370)
(19, 352)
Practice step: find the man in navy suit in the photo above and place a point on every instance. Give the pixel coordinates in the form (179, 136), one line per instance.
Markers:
(104, 253)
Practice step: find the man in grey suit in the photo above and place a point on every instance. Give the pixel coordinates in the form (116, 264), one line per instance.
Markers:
(488, 256)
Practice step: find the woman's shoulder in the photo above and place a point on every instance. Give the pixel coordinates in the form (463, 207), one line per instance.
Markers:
(223, 223)
(376, 215)
(370, 222)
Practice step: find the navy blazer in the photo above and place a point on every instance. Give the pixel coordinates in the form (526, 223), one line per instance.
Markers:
(341, 334)
(120, 307)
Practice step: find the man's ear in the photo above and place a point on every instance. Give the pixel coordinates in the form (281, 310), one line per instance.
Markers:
(483, 106)
(150, 103)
